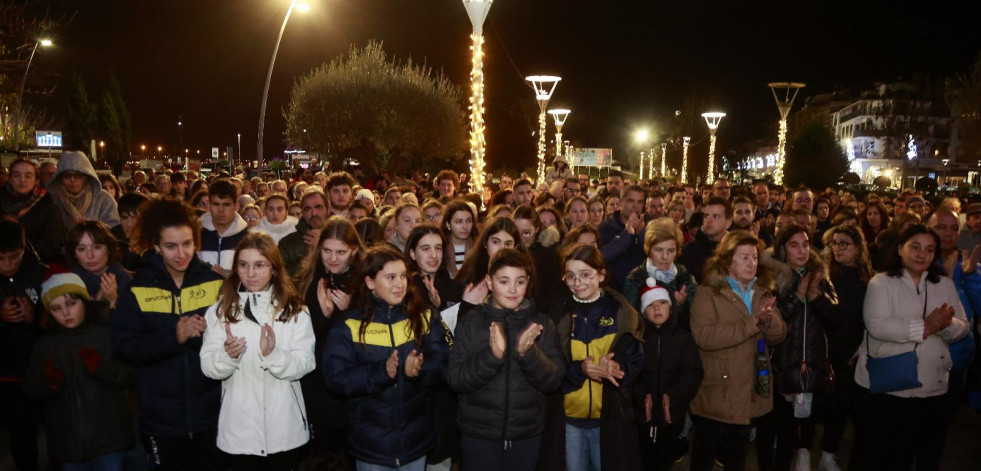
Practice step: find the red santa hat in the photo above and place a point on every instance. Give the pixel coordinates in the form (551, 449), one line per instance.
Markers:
(652, 292)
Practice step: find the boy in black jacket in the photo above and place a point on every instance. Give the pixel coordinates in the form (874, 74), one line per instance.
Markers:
(504, 358)
(668, 381)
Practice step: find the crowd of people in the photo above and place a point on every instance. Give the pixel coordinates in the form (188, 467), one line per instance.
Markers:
(173, 321)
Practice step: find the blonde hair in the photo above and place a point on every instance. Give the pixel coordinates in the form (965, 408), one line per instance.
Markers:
(660, 230)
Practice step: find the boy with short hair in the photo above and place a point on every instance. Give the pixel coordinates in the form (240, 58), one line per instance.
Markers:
(505, 357)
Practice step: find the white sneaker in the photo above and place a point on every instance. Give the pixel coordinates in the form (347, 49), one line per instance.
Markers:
(803, 461)
(827, 462)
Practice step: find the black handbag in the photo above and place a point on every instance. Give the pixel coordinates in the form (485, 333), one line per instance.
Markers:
(896, 372)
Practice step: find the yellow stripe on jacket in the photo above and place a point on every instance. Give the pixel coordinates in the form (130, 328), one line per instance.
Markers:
(587, 401)
(192, 298)
(378, 334)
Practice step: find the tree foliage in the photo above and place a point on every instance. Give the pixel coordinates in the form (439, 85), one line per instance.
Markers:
(814, 158)
(964, 98)
(389, 116)
(80, 115)
(115, 125)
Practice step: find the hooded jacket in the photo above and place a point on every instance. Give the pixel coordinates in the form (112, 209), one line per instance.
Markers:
(277, 231)
(807, 325)
(262, 407)
(555, 174)
(175, 398)
(103, 207)
(504, 399)
(219, 249)
(726, 336)
(88, 413)
(391, 418)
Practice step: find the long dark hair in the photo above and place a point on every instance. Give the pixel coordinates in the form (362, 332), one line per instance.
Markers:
(783, 237)
(477, 260)
(894, 263)
(337, 228)
(415, 236)
(284, 296)
(374, 261)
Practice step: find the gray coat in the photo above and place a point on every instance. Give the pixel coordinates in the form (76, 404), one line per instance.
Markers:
(103, 207)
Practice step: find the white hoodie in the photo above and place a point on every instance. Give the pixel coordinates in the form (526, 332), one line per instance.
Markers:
(277, 231)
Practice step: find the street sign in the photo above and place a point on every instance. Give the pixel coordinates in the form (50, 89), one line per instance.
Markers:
(214, 152)
(48, 138)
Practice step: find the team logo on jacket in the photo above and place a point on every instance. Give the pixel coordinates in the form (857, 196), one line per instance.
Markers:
(605, 321)
(32, 293)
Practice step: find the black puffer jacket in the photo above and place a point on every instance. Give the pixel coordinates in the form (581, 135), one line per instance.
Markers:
(844, 340)
(88, 413)
(672, 366)
(807, 324)
(502, 399)
(324, 408)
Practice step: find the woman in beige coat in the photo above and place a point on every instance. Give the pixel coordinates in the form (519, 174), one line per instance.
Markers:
(733, 311)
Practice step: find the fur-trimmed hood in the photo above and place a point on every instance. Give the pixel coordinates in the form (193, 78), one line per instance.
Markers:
(716, 277)
(548, 236)
(786, 278)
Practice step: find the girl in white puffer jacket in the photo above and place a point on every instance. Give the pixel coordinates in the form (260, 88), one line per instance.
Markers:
(259, 343)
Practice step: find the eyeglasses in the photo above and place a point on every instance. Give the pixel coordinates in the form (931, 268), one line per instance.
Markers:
(433, 217)
(571, 278)
(251, 218)
(259, 267)
(842, 245)
(803, 200)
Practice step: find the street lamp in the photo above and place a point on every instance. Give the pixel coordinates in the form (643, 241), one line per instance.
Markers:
(477, 11)
(712, 119)
(642, 137)
(559, 116)
(789, 91)
(20, 94)
(302, 6)
(664, 156)
(102, 149)
(143, 150)
(239, 135)
(544, 86)
(684, 160)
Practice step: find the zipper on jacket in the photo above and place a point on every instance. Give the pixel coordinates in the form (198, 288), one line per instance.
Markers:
(398, 379)
(297, 399)
(507, 374)
(219, 248)
(589, 387)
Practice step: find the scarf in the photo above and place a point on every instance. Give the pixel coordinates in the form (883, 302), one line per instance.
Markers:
(745, 296)
(73, 206)
(18, 206)
(664, 276)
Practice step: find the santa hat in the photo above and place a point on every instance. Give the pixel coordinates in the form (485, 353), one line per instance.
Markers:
(58, 280)
(652, 292)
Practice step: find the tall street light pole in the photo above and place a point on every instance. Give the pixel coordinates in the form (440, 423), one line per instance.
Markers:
(544, 86)
(642, 137)
(239, 135)
(272, 62)
(477, 11)
(712, 119)
(559, 116)
(684, 159)
(20, 94)
(784, 104)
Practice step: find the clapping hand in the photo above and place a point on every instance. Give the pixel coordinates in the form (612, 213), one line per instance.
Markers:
(971, 260)
(234, 346)
(763, 317)
(938, 320)
(427, 280)
(267, 340)
(527, 338)
(498, 344)
(475, 293)
(392, 364)
(681, 295)
(611, 369)
(107, 289)
(413, 364)
(189, 327)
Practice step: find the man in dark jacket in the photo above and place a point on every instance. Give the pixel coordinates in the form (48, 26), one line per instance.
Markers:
(21, 274)
(622, 236)
(295, 246)
(157, 329)
(716, 221)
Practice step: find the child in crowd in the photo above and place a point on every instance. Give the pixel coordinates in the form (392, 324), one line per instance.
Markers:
(668, 381)
(82, 387)
(505, 357)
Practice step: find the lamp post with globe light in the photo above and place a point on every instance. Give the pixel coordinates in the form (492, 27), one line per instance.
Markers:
(544, 86)
(712, 119)
(20, 94)
(477, 11)
(559, 116)
(301, 6)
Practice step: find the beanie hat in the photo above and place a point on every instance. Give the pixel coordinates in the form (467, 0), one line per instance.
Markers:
(365, 194)
(58, 280)
(652, 292)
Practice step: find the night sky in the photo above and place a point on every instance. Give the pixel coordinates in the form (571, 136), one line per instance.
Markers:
(625, 64)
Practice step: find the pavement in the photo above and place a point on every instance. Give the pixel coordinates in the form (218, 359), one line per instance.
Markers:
(962, 451)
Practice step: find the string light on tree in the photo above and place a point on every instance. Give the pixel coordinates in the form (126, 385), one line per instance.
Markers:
(544, 86)
(911, 145)
(664, 157)
(477, 11)
(684, 159)
(712, 119)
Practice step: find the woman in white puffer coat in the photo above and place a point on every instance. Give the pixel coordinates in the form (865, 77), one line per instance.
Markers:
(259, 342)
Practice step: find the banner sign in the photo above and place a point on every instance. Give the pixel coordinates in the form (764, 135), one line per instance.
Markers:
(591, 157)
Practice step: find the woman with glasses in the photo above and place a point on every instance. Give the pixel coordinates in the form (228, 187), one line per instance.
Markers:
(551, 217)
(600, 334)
(850, 270)
(801, 363)
(252, 216)
(76, 190)
(259, 343)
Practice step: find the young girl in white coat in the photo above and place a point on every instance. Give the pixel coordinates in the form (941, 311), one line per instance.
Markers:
(259, 343)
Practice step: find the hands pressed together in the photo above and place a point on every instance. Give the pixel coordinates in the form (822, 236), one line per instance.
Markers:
(498, 342)
(607, 368)
(938, 320)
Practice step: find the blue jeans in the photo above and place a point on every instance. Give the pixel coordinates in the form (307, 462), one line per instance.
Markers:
(417, 465)
(107, 462)
(582, 448)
